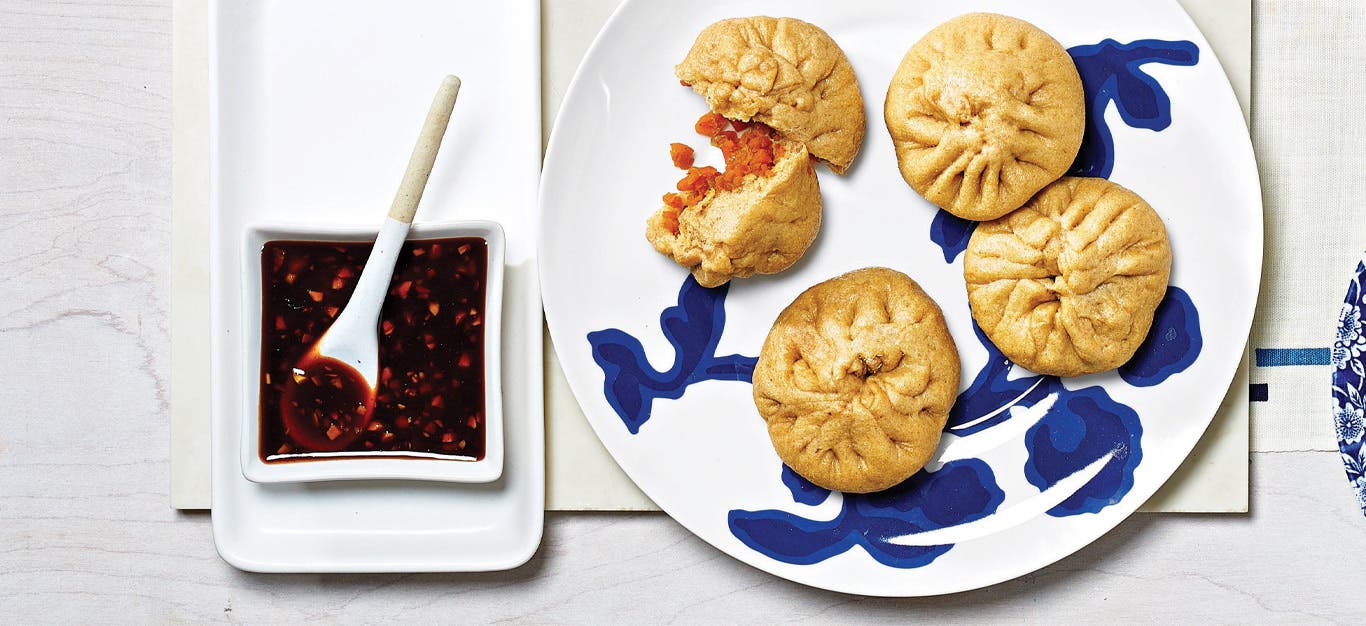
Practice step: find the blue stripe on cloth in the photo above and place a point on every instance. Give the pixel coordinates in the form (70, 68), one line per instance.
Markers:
(1275, 357)
(1257, 392)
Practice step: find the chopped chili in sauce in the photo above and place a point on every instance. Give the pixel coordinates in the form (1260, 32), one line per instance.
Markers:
(430, 391)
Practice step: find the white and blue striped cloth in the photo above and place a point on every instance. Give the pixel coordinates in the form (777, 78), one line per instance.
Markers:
(1308, 129)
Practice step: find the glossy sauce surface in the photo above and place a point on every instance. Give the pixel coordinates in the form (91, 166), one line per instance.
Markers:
(430, 396)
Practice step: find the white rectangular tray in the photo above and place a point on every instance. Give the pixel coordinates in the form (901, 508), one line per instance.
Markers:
(314, 105)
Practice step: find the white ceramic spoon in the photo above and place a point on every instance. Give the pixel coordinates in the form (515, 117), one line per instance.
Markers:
(354, 337)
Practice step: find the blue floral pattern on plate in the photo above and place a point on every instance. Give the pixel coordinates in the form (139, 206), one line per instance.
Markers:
(1349, 421)
(961, 491)
(694, 328)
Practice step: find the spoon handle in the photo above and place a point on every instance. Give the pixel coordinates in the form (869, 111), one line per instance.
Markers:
(352, 336)
(424, 153)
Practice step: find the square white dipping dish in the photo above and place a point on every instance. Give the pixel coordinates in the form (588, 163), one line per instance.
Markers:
(378, 464)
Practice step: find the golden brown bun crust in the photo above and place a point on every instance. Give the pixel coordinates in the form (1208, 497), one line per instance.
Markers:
(984, 111)
(1068, 284)
(761, 228)
(856, 379)
(785, 73)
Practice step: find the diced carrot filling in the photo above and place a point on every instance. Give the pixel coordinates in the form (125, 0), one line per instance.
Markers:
(670, 219)
(748, 149)
(710, 124)
(697, 180)
(681, 154)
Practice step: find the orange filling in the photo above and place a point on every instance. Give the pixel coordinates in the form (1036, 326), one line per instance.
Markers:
(748, 148)
(681, 154)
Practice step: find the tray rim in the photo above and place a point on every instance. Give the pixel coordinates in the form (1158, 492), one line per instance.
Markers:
(521, 282)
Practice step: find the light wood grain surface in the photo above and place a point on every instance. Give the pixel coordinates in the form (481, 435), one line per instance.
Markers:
(86, 534)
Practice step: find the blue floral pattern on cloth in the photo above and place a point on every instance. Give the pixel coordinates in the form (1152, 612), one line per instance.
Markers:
(1073, 429)
(1349, 373)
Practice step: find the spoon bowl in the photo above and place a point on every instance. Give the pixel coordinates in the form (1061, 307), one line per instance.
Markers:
(326, 405)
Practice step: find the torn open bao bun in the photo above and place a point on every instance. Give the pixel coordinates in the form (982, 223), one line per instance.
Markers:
(792, 78)
(762, 227)
(785, 73)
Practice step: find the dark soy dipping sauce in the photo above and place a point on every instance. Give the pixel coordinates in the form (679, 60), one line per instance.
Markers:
(429, 399)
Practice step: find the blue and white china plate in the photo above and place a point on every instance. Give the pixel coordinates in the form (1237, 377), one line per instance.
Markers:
(1032, 468)
(1349, 383)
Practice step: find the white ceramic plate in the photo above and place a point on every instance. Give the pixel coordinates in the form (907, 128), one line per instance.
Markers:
(1032, 468)
(315, 105)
